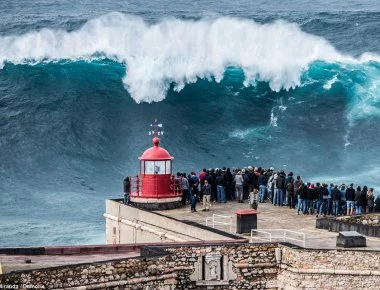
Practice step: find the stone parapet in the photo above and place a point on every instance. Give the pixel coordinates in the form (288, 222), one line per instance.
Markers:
(329, 269)
(243, 266)
(369, 227)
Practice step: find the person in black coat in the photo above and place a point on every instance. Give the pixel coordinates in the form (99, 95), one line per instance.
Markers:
(322, 200)
(229, 184)
(280, 187)
(309, 199)
(127, 190)
(350, 199)
(377, 204)
(335, 196)
(364, 198)
(370, 200)
(357, 202)
(316, 192)
(302, 199)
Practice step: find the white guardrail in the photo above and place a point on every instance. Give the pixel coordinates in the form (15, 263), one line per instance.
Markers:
(278, 234)
(219, 220)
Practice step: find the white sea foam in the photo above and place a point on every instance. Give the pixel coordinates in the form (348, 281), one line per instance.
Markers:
(329, 83)
(273, 119)
(179, 51)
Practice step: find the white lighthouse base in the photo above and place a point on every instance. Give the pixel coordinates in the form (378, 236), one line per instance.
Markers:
(156, 203)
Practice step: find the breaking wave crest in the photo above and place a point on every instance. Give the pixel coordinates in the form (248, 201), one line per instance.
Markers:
(179, 52)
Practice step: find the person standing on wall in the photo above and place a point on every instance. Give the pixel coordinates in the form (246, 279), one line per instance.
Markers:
(127, 190)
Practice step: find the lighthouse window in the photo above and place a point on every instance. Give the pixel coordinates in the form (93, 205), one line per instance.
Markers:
(159, 167)
(154, 167)
(149, 167)
(142, 170)
(168, 169)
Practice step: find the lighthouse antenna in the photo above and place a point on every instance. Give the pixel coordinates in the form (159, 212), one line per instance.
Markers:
(155, 131)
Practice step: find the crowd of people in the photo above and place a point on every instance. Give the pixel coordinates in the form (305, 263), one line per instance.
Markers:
(226, 185)
(281, 189)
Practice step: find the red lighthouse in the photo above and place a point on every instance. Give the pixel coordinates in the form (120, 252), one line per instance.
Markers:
(154, 188)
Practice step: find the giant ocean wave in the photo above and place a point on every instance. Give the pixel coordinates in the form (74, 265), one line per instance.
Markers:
(179, 52)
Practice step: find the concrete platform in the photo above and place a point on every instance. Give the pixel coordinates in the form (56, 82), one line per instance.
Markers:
(269, 217)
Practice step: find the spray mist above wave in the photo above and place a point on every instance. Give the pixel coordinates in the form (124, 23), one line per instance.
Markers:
(179, 51)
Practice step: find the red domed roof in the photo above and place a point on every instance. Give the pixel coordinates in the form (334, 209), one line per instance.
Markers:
(156, 152)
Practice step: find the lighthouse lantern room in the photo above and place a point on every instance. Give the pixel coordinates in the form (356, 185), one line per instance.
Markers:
(154, 188)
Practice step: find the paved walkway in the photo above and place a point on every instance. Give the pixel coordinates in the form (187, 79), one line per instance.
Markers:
(17, 262)
(270, 217)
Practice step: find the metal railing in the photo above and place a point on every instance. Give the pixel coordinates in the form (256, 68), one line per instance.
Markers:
(279, 234)
(219, 220)
(174, 186)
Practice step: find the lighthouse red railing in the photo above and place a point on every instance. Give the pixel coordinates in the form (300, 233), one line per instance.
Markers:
(139, 184)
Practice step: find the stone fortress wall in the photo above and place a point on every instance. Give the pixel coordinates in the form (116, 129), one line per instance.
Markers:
(214, 266)
(328, 269)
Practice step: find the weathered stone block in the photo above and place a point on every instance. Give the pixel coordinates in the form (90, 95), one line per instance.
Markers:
(350, 239)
